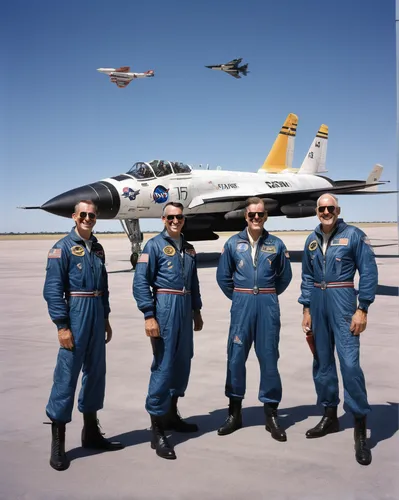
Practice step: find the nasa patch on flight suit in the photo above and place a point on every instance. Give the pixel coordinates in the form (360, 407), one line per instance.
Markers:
(312, 245)
(242, 246)
(78, 251)
(169, 250)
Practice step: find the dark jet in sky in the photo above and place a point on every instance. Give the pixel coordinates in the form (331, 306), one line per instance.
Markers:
(232, 68)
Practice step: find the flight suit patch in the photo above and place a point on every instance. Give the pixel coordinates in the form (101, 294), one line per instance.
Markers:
(54, 253)
(191, 251)
(241, 263)
(169, 251)
(242, 247)
(100, 253)
(78, 251)
(143, 258)
(268, 249)
(237, 340)
(338, 242)
(312, 245)
(287, 254)
(79, 266)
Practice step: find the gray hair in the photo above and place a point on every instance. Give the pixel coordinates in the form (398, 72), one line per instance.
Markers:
(88, 202)
(328, 194)
(175, 204)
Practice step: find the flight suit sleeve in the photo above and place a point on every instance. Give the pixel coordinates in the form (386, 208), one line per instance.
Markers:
(368, 271)
(284, 271)
(107, 309)
(195, 289)
(307, 277)
(143, 280)
(55, 284)
(225, 271)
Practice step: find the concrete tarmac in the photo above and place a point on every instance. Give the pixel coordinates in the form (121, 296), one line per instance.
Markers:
(246, 464)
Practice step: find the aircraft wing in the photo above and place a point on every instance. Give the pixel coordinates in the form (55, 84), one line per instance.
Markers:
(233, 73)
(123, 69)
(234, 62)
(240, 195)
(119, 82)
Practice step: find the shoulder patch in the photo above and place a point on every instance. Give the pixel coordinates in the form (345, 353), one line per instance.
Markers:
(312, 245)
(242, 246)
(169, 250)
(54, 253)
(143, 258)
(100, 253)
(190, 251)
(78, 251)
(287, 254)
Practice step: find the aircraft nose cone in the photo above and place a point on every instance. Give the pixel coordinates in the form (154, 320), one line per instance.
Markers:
(103, 194)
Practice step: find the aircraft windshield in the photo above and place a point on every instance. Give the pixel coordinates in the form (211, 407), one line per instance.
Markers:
(181, 168)
(161, 167)
(158, 168)
(141, 170)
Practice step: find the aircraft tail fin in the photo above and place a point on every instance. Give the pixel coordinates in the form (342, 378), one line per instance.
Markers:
(315, 159)
(373, 177)
(244, 69)
(281, 155)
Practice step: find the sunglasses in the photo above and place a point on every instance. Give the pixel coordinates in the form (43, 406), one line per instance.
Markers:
(252, 215)
(179, 217)
(90, 215)
(330, 208)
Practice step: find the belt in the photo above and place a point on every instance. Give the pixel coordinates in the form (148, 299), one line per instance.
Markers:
(170, 291)
(94, 293)
(255, 290)
(334, 284)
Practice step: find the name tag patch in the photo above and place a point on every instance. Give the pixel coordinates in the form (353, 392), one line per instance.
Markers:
(268, 248)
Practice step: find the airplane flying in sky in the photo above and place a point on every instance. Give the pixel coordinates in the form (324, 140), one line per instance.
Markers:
(213, 200)
(232, 68)
(122, 76)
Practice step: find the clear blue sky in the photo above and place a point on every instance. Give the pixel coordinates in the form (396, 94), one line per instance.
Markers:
(64, 125)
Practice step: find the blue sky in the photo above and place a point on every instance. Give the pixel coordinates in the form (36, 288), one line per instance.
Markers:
(64, 125)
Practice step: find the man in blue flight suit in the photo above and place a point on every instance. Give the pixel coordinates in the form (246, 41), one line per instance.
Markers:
(253, 270)
(333, 253)
(76, 291)
(167, 291)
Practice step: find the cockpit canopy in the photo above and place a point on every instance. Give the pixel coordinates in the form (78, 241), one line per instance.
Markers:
(158, 168)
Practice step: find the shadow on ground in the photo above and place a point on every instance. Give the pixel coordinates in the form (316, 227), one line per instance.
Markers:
(383, 423)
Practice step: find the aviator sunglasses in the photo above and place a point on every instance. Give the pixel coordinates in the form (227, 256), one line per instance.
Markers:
(90, 215)
(252, 215)
(330, 208)
(178, 217)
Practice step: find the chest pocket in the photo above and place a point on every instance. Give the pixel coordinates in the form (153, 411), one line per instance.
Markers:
(77, 272)
(268, 254)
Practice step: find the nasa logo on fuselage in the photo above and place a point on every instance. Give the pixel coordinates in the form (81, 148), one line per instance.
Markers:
(278, 184)
(160, 194)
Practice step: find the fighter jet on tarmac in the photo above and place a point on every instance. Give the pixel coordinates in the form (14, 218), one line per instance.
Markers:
(232, 68)
(122, 77)
(213, 200)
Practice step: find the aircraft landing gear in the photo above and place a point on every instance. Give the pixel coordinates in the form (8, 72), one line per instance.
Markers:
(132, 229)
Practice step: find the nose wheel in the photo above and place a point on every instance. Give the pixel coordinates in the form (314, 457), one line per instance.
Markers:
(132, 229)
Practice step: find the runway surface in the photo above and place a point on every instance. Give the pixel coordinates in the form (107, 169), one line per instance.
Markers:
(246, 464)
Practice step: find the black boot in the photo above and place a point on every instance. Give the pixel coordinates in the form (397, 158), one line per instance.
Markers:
(58, 459)
(174, 422)
(328, 424)
(363, 452)
(234, 420)
(159, 441)
(272, 425)
(92, 437)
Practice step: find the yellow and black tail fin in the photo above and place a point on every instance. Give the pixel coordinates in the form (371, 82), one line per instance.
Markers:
(315, 159)
(282, 153)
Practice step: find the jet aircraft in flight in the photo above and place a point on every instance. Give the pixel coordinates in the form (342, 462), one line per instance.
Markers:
(213, 200)
(122, 76)
(232, 68)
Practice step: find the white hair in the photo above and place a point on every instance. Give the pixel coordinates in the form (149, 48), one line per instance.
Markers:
(328, 194)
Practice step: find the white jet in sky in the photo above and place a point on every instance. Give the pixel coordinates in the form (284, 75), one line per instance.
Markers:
(122, 76)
